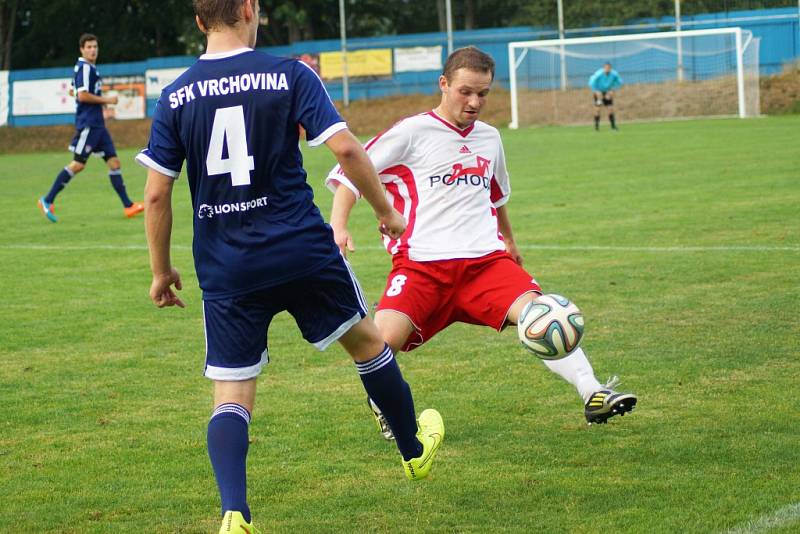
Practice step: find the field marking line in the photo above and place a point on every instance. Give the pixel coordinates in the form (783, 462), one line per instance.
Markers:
(677, 248)
(48, 247)
(779, 518)
(575, 248)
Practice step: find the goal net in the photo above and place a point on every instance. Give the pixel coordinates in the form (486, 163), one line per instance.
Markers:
(665, 75)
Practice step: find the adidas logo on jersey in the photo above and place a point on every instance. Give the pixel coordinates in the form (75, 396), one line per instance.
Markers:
(464, 150)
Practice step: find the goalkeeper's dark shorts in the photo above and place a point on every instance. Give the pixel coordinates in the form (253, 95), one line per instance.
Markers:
(604, 100)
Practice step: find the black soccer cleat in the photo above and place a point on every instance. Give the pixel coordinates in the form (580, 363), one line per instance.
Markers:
(380, 421)
(607, 403)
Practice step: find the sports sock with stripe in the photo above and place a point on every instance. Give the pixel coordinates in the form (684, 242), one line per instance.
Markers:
(576, 370)
(228, 441)
(60, 182)
(386, 387)
(119, 186)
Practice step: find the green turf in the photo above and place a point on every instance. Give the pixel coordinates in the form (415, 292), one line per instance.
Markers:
(103, 406)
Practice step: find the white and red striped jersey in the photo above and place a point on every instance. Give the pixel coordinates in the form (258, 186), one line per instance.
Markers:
(447, 183)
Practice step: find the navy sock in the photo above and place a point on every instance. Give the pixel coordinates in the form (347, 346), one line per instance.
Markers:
(62, 180)
(611, 120)
(119, 187)
(228, 442)
(596, 122)
(390, 392)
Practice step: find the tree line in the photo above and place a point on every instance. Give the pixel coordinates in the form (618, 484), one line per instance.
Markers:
(44, 33)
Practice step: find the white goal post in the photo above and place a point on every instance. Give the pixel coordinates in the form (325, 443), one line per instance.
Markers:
(666, 75)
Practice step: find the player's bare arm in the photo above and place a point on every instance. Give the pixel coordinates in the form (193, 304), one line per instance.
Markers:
(357, 166)
(504, 225)
(158, 224)
(343, 201)
(88, 98)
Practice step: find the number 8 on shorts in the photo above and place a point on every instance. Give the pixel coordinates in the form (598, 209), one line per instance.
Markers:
(396, 285)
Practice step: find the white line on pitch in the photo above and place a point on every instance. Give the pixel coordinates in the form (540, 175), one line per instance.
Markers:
(677, 248)
(34, 246)
(779, 518)
(584, 248)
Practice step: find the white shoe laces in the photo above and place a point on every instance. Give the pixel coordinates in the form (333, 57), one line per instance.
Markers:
(612, 382)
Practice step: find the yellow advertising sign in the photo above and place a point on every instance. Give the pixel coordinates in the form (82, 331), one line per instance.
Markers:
(376, 62)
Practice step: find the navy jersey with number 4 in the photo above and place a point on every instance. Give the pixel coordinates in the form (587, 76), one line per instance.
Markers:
(87, 79)
(234, 118)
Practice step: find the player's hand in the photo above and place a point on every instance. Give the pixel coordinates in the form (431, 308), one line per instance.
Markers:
(512, 249)
(343, 240)
(112, 100)
(392, 224)
(161, 291)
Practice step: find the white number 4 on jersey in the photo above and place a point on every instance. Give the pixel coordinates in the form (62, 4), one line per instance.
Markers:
(229, 129)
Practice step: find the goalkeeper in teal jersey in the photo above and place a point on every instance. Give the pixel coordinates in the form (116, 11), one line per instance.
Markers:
(603, 83)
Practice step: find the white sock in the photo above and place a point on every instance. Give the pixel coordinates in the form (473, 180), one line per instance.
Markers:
(576, 370)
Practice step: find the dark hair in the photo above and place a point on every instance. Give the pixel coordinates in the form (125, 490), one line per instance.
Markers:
(470, 58)
(216, 13)
(85, 38)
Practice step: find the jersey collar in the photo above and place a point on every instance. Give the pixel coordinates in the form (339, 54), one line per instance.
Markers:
(229, 53)
(463, 133)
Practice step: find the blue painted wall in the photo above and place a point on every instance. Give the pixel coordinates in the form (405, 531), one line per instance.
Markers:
(111, 69)
(780, 44)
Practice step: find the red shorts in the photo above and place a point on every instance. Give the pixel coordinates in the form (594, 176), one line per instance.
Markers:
(436, 294)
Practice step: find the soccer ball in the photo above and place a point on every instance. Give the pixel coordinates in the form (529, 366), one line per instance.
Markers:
(550, 326)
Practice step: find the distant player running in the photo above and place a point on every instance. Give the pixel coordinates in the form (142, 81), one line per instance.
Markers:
(457, 260)
(603, 83)
(260, 244)
(91, 136)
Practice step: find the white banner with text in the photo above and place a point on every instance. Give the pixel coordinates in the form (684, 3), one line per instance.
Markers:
(42, 97)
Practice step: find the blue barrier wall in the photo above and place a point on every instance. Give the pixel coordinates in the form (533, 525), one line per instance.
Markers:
(777, 28)
(111, 69)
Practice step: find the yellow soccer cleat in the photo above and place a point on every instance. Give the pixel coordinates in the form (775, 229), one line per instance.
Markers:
(234, 523)
(430, 434)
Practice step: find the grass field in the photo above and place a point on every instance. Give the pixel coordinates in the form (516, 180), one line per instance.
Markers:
(680, 241)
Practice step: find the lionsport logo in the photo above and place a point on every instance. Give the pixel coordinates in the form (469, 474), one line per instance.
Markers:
(206, 211)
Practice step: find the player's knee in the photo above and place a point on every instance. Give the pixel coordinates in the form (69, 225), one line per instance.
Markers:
(363, 341)
(395, 328)
(113, 163)
(76, 166)
(395, 340)
(241, 392)
(515, 310)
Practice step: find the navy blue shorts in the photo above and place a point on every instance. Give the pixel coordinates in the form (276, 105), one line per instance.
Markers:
(92, 140)
(325, 305)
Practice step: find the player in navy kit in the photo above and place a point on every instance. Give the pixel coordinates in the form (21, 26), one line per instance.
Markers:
(260, 244)
(91, 136)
